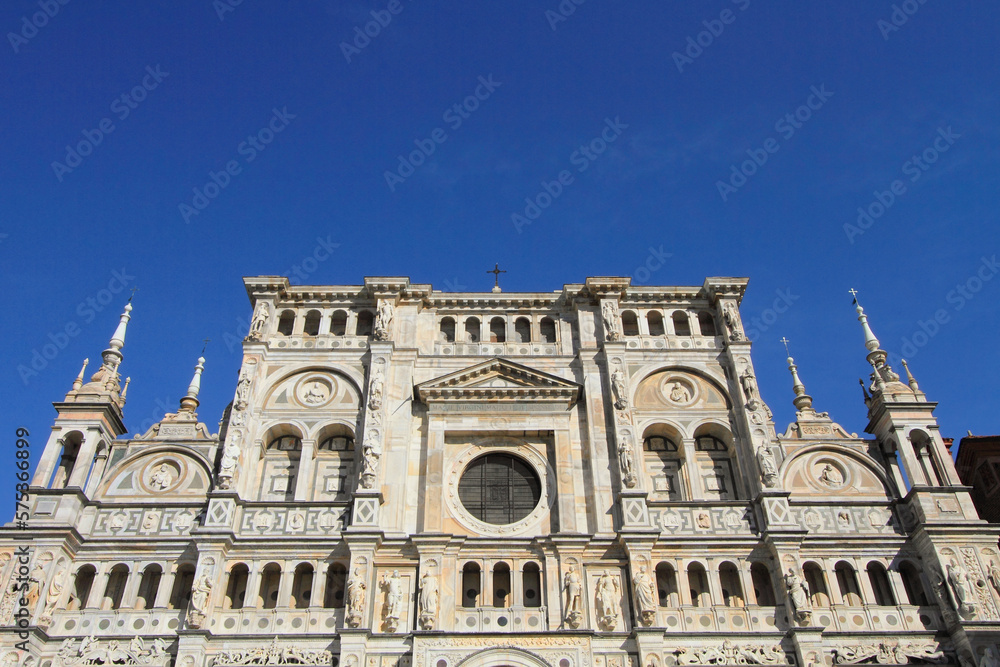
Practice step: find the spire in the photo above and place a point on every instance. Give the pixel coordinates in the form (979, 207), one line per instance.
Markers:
(190, 401)
(802, 400)
(871, 342)
(882, 373)
(125, 389)
(78, 382)
(118, 339)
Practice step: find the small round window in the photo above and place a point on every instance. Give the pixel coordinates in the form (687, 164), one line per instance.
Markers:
(499, 489)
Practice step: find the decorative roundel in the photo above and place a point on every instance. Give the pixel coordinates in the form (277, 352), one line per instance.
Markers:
(679, 389)
(163, 474)
(315, 390)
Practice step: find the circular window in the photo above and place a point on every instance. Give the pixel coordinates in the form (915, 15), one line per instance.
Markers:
(499, 489)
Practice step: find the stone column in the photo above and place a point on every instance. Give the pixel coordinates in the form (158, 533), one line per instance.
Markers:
(304, 476)
(132, 588)
(166, 588)
(100, 464)
(285, 585)
(84, 459)
(252, 597)
(49, 460)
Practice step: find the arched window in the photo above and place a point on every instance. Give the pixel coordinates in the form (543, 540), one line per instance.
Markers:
(286, 322)
(663, 462)
(67, 462)
(522, 330)
(366, 321)
(501, 585)
(337, 443)
(732, 590)
(547, 329)
(285, 443)
(471, 585)
(715, 465)
(472, 330)
(148, 586)
(180, 595)
(236, 589)
(763, 590)
(912, 584)
(879, 580)
(336, 585)
(630, 323)
(338, 323)
(848, 584)
(270, 582)
(115, 590)
(654, 320)
(816, 583)
(681, 325)
(302, 586)
(447, 330)
(698, 583)
(706, 323)
(666, 585)
(923, 447)
(531, 584)
(311, 326)
(498, 330)
(82, 586)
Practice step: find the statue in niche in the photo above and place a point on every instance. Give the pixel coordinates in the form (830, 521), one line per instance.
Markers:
(679, 393)
(798, 596)
(259, 321)
(369, 464)
(383, 319)
(994, 576)
(161, 478)
(375, 392)
(609, 315)
(198, 606)
(574, 598)
(627, 462)
(619, 389)
(732, 319)
(644, 598)
(962, 587)
(34, 591)
(607, 601)
(428, 601)
(355, 598)
(393, 606)
(243, 389)
(831, 476)
(749, 384)
(52, 597)
(989, 658)
(230, 458)
(768, 467)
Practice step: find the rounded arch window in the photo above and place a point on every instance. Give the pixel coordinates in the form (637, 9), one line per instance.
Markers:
(499, 489)
(285, 443)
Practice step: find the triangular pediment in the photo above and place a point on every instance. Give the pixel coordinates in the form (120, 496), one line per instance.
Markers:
(498, 380)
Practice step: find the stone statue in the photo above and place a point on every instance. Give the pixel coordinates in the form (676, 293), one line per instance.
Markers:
(749, 383)
(994, 576)
(34, 591)
(627, 462)
(315, 394)
(644, 598)
(768, 467)
(831, 476)
(243, 389)
(375, 392)
(230, 459)
(609, 314)
(369, 465)
(200, 593)
(574, 597)
(962, 588)
(989, 658)
(607, 601)
(619, 389)
(355, 598)
(798, 596)
(161, 478)
(428, 601)
(383, 319)
(393, 606)
(679, 393)
(259, 321)
(732, 319)
(52, 597)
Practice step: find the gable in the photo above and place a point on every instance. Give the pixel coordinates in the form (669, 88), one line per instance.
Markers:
(498, 380)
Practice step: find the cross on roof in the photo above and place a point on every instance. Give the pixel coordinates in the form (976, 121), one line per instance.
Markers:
(496, 274)
(206, 341)
(853, 292)
(134, 290)
(786, 342)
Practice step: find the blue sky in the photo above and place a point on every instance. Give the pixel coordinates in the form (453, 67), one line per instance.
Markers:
(739, 138)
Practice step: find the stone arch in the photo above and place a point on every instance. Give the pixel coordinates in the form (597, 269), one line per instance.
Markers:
(715, 391)
(194, 473)
(869, 473)
(352, 378)
(506, 655)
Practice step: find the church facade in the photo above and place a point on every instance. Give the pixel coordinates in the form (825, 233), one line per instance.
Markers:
(580, 478)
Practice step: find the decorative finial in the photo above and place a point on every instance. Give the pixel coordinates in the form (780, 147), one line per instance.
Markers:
(864, 390)
(496, 276)
(909, 376)
(78, 382)
(190, 401)
(871, 342)
(118, 339)
(125, 389)
(802, 401)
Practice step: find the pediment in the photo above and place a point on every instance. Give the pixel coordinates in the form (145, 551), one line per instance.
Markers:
(498, 380)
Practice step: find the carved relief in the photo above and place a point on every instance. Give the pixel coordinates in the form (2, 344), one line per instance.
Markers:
(92, 652)
(201, 593)
(888, 653)
(731, 654)
(53, 595)
(273, 654)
